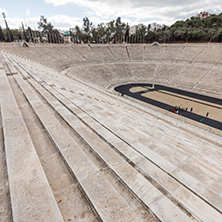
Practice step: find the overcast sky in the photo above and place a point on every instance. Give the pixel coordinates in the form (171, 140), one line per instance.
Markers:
(64, 14)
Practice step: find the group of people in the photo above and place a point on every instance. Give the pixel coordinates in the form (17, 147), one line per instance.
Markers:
(176, 109)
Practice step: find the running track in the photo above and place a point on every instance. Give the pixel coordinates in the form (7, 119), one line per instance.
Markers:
(125, 90)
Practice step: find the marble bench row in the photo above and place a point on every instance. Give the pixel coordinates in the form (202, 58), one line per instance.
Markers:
(176, 189)
(87, 174)
(30, 193)
(104, 198)
(49, 71)
(167, 166)
(171, 77)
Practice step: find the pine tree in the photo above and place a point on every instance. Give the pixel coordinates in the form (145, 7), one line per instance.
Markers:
(2, 38)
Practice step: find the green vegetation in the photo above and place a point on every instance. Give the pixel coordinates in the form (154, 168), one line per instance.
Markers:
(46, 33)
(2, 37)
(192, 30)
(115, 31)
(197, 30)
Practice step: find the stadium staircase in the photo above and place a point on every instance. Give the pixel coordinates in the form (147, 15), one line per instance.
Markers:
(73, 153)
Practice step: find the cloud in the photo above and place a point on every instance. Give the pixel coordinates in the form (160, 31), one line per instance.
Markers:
(167, 11)
(130, 11)
(27, 12)
(64, 22)
(13, 23)
(61, 22)
(3, 10)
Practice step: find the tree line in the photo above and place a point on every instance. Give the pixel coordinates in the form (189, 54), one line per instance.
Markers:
(46, 34)
(193, 29)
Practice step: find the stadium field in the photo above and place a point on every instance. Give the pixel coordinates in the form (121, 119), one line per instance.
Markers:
(201, 108)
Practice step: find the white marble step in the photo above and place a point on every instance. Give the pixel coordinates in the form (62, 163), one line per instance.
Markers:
(167, 182)
(111, 159)
(30, 193)
(109, 205)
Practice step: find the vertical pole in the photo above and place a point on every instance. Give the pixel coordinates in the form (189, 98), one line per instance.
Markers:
(6, 24)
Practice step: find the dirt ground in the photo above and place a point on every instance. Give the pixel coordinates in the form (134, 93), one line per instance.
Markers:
(199, 106)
